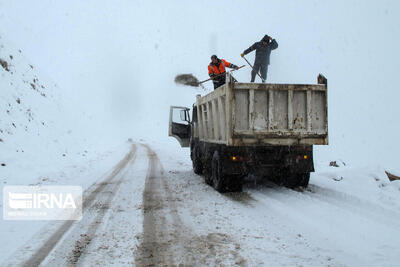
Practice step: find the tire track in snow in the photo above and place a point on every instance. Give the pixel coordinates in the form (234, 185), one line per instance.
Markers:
(154, 247)
(38, 257)
(117, 238)
(81, 244)
(167, 240)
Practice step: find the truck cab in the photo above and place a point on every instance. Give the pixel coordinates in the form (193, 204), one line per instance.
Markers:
(180, 125)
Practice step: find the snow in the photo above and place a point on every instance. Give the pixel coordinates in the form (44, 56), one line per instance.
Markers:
(347, 216)
(84, 76)
(88, 171)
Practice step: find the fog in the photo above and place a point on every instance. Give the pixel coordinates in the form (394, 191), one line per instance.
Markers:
(115, 61)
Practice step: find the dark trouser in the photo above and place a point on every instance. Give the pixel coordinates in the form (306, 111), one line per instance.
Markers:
(219, 81)
(259, 66)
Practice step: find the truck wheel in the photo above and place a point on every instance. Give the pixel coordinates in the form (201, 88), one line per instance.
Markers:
(305, 178)
(207, 169)
(196, 161)
(218, 181)
(297, 179)
(208, 179)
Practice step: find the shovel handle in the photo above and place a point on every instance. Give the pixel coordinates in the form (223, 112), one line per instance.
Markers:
(252, 68)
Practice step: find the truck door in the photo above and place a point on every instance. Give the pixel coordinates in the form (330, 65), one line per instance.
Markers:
(179, 125)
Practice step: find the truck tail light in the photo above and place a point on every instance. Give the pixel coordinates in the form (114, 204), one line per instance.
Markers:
(240, 158)
(296, 159)
(301, 157)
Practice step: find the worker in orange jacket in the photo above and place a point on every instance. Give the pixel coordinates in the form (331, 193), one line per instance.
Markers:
(216, 67)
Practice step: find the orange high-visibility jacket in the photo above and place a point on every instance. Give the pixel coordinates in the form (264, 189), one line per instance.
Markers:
(214, 69)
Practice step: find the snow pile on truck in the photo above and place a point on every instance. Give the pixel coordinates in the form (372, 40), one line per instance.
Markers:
(264, 129)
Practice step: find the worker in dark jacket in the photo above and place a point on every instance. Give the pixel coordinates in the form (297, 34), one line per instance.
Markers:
(216, 67)
(263, 51)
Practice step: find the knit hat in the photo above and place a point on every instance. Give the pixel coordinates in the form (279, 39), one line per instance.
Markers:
(265, 38)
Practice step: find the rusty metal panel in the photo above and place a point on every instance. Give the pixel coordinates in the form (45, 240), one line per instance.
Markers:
(318, 114)
(300, 111)
(278, 86)
(260, 116)
(210, 125)
(222, 117)
(229, 112)
(288, 141)
(280, 110)
(241, 118)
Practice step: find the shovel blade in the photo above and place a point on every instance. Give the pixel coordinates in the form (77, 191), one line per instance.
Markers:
(187, 79)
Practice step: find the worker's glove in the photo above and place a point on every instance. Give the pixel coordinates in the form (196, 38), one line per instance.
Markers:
(212, 75)
(234, 67)
(242, 54)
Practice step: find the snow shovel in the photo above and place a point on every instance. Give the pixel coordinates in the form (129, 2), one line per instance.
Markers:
(252, 68)
(191, 80)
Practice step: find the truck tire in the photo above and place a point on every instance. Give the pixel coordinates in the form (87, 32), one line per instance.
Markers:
(305, 179)
(220, 181)
(207, 168)
(296, 180)
(196, 160)
(207, 179)
(217, 178)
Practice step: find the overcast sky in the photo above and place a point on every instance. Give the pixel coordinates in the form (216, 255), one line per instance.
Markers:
(118, 59)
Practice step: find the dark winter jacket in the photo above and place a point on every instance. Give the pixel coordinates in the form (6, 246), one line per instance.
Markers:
(263, 52)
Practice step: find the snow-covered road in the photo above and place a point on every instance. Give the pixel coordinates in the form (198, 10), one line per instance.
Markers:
(151, 209)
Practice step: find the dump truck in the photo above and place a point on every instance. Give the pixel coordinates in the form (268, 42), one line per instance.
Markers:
(263, 129)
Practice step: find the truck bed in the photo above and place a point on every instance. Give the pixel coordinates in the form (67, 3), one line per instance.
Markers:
(241, 114)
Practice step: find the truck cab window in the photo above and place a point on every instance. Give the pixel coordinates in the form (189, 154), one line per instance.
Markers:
(177, 117)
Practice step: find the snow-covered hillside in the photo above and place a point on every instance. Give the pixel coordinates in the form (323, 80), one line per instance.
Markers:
(40, 131)
(30, 114)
